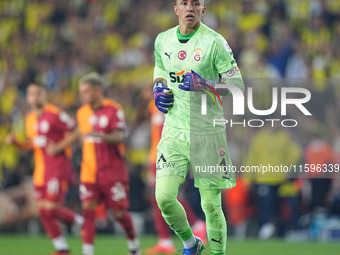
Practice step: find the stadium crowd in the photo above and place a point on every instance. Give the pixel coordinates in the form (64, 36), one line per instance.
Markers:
(293, 43)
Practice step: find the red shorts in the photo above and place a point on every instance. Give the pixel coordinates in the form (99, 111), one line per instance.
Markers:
(115, 195)
(53, 190)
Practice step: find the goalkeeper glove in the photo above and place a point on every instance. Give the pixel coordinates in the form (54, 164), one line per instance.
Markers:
(194, 82)
(163, 97)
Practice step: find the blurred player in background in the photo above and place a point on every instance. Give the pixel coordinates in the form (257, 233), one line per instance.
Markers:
(273, 147)
(46, 124)
(165, 244)
(189, 137)
(104, 176)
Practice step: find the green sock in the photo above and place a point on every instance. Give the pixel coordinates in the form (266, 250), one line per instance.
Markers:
(215, 220)
(172, 210)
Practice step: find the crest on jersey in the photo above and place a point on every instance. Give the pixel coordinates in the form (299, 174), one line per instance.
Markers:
(198, 54)
(221, 150)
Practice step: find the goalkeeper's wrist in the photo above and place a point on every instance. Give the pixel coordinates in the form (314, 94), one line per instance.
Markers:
(158, 84)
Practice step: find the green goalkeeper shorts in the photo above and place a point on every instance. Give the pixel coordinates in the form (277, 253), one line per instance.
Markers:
(206, 154)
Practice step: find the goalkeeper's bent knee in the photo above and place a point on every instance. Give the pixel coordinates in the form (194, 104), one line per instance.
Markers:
(167, 191)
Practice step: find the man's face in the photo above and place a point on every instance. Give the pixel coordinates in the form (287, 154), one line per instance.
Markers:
(88, 94)
(36, 96)
(189, 12)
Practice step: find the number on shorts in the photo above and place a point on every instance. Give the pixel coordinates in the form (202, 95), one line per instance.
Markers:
(223, 164)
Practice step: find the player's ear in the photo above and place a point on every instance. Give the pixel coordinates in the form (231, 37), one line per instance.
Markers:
(176, 9)
(203, 10)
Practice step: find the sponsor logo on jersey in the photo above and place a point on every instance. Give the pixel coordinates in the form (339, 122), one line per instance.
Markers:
(198, 54)
(163, 163)
(161, 158)
(177, 77)
(182, 55)
(168, 55)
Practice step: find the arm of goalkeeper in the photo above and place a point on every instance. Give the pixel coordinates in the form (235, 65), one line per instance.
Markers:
(194, 82)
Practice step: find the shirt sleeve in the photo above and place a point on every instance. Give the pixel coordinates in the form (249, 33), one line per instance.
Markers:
(118, 119)
(65, 122)
(223, 55)
(159, 70)
(233, 77)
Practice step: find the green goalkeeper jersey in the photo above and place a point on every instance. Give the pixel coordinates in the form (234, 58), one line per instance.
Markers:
(208, 54)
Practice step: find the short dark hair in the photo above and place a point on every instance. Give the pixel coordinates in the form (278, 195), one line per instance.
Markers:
(42, 86)
(94, 79)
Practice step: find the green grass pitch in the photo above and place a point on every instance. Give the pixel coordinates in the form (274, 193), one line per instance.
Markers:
(111, 245)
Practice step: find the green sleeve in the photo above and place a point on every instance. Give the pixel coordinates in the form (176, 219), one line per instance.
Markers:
(223, 55)
(235, 80)
(159, 70)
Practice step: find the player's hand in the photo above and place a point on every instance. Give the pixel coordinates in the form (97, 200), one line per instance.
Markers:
(51, 148)
(91, 136)
(194, 82)
(164, 99)
(11, 138)
(84, 136)
(94, 134)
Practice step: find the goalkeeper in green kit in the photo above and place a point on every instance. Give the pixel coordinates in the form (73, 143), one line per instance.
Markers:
(191, 60)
